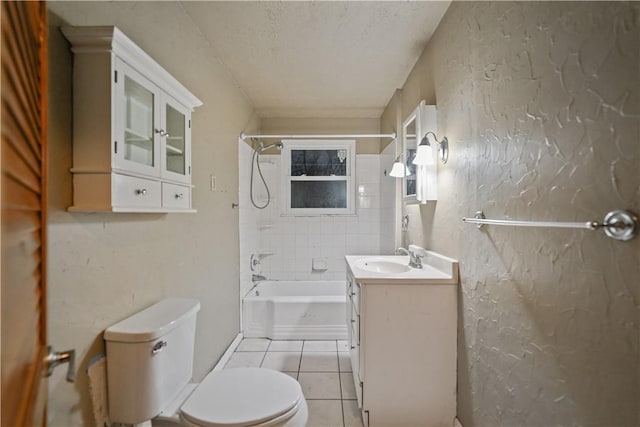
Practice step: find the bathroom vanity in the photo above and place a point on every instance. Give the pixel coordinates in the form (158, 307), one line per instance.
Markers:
(402, 328)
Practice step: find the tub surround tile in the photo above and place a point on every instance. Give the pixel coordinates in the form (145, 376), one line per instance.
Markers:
(314, 346)
(352, 417)
(347, 386)
(324, 413)
(343, 345)
(293, 375)
(253, 344)
(247, 359)
(319, 362)
(320, 385)
(285, 361)
(344, 361)
(285, 346)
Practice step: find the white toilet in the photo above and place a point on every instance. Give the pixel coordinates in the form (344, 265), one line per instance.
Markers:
(150, 364)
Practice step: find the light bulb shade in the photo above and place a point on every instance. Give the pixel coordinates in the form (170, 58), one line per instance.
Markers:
(399, 170)
(424, 155)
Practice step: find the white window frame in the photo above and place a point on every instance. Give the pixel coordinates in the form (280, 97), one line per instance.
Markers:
(318, 144)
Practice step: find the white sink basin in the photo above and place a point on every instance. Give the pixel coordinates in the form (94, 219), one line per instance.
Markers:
(382, 266)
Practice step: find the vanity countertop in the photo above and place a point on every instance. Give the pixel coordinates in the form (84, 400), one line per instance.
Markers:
(394, 269)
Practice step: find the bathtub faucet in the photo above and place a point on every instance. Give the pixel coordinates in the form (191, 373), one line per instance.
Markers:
(257, 278)
(415, 261)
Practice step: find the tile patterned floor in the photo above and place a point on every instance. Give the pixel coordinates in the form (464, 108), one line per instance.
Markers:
(323, 369)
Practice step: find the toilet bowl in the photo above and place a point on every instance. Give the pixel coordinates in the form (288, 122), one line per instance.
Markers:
(239, 397)
(150, 364)
(244, 397)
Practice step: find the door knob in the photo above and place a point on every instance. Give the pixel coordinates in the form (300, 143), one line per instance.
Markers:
(55, 358)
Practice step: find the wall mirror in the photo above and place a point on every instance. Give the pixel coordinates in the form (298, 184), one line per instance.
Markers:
(411, 129)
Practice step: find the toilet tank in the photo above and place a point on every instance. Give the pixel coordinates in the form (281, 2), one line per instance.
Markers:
(150, 359)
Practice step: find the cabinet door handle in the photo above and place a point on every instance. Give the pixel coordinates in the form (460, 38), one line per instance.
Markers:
(141, 192)
(179, 196)
(162, 132)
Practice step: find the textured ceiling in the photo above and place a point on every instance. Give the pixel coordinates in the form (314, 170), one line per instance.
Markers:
(318, 59)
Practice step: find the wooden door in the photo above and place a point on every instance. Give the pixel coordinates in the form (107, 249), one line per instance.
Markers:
(24, 154)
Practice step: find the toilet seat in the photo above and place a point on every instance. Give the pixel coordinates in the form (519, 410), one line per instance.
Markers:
(243, 397)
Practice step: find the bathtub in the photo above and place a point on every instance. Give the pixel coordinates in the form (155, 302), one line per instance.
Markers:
(301, 310)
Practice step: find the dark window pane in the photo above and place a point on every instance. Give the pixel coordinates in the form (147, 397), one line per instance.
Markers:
(411, 187)
(411, 154)
(318, 162)
(318, 194)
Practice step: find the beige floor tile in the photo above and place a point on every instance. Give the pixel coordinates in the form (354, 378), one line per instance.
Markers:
(285, 361)
(250, 359)
(319, 362)
(344, 360)
(324, 413)
(320, 346)
(320, 385)
(348, 386)
(285, 346)
(352, 417)
(293, 375)
(253, 344)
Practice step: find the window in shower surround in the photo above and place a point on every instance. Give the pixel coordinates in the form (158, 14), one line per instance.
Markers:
(318, 177)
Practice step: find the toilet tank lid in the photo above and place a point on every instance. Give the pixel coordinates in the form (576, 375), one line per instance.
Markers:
(153, 322)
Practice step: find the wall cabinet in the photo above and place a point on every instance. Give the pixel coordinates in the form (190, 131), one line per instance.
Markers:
(131, 127)
(402, 340)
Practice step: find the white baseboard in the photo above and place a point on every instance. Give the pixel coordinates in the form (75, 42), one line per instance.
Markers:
(227, 354)
(456, 422)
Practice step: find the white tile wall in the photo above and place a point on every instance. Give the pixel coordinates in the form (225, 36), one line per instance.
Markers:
(248, 218)
(388, 187)
(293, 242)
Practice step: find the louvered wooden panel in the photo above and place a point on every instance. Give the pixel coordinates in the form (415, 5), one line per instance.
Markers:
(23, 133)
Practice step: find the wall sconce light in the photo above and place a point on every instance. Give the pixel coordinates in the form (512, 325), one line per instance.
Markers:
(399, 169)
(424, 154)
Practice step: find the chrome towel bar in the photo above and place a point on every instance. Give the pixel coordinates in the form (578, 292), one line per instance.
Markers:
(618, 224)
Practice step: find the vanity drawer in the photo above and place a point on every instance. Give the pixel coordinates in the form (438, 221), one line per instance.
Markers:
(129, 191)
(176, 196)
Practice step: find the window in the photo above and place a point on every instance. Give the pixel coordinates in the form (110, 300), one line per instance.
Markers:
(318, 177)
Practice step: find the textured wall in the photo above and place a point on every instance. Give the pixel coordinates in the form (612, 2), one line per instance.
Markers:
(541, 105)
(104, 267)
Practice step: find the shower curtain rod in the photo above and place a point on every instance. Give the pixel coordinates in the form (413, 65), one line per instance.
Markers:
(346, 135)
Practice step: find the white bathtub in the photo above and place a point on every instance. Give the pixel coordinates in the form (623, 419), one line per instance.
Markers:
(299, 310)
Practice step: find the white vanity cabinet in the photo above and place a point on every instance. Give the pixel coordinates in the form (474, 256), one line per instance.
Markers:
(131, 127)
(402, 340)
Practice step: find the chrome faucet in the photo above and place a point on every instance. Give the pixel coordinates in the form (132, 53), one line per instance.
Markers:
(415, 261)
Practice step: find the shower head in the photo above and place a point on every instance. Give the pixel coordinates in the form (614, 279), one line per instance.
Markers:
(263, 147)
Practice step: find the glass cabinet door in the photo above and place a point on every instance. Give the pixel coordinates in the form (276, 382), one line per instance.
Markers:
(176, 141)
(138, 131)
(136, 122)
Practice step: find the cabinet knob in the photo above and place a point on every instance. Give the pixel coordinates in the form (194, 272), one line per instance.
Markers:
(162, 132)
(353, 320)
(142, 192)
(179, 196)
(353, 347)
